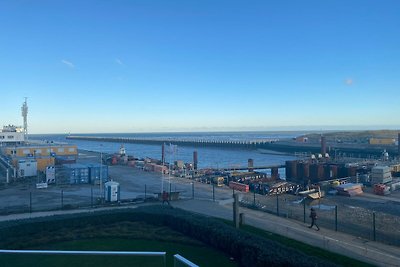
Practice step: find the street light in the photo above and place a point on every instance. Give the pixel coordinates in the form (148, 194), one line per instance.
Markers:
(101, 170)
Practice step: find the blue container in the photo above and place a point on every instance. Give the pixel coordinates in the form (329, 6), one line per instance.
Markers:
(94, 173)
(77, 173)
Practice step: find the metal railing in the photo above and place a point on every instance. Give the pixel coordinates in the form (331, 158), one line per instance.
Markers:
(180, 261)
(97, 253)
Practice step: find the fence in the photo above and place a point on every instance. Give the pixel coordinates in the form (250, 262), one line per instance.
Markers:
(334, 213)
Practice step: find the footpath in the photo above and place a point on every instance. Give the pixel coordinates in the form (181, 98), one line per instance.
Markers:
(367, 251)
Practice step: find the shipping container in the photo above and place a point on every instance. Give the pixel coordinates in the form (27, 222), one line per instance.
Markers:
(97, 170)
(239, 186)
(77, 173)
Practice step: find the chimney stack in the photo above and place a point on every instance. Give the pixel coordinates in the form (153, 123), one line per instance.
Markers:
(195, 160)
(323, 146)
(250, 165)
(163, 153)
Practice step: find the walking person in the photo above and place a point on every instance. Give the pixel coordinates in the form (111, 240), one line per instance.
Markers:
(165, 197)
(313, 216)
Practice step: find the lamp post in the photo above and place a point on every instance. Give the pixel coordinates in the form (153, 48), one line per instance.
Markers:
(101, 171)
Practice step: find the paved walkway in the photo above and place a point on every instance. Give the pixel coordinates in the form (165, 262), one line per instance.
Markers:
(368, 251)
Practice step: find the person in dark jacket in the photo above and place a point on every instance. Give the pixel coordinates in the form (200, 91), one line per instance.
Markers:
(165, 197)
(313, 216)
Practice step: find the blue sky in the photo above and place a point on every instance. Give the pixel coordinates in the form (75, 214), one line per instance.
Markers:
(148, 66)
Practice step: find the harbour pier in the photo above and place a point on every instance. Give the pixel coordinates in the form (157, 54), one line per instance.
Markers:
(269, 145)
(248, 144)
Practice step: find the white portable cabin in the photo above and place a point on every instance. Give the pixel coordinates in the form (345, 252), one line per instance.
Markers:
(27, 168)
(112, 191)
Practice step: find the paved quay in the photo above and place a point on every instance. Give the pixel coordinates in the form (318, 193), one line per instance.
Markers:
(367, 251)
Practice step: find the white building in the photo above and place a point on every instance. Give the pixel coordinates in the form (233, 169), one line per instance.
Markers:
(12, 134)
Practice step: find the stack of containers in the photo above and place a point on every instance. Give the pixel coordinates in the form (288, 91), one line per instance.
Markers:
(77, 173)
(381, 175)
(94, 173)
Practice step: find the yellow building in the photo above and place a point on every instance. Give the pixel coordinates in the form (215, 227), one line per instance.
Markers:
(382, 141)
(44, 154)
(41, 150)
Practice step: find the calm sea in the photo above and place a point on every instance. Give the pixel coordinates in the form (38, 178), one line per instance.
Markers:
(207, 156)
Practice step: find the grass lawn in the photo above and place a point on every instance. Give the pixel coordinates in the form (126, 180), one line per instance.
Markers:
(117, 237)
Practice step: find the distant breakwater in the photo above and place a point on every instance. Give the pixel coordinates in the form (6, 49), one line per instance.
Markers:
(267, 144)
(181, 142)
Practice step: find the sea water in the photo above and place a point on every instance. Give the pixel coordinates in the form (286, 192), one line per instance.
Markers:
(208, 157)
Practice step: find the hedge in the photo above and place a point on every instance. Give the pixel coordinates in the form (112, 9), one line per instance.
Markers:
(248, 249)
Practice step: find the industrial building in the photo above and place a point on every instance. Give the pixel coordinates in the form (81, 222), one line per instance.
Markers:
(20, 158)
(44, 155)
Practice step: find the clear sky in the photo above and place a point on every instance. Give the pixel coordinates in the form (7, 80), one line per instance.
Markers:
(146, 66)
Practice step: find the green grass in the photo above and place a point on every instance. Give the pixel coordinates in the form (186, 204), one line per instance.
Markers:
(157, 239)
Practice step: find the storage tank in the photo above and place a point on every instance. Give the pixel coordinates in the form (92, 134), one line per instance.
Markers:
(300, 171)
(334, 171)
(343, 172)
(306, 170)
(303, 171)
(291, 170)
(112, 191)
(316, 172)
(274, 173)
(352, 171)
(330, 171)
